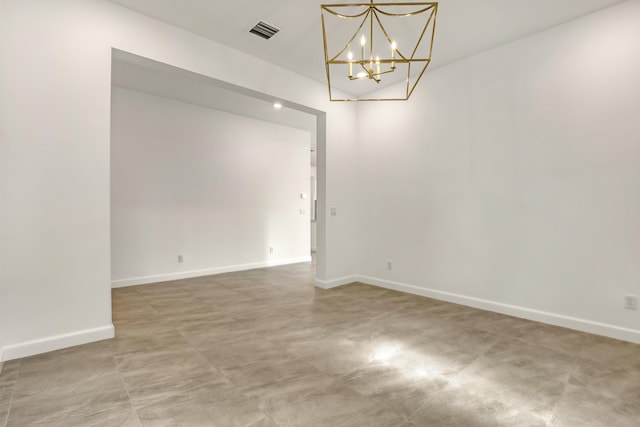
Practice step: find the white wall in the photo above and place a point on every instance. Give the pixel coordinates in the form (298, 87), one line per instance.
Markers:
(3, 288)
(215, 187)
(511, 179)
(54, 159)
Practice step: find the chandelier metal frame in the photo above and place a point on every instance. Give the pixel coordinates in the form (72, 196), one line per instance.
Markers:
(375, 68)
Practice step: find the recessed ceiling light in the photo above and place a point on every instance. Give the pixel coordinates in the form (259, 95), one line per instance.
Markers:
(277, 105)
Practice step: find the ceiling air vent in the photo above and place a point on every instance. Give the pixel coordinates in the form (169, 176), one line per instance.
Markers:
(264, 30)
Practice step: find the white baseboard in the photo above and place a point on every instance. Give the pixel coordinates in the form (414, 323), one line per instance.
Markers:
(29, 348)
(120, 283)
(56, 342)
(328, 284)
(612, 331)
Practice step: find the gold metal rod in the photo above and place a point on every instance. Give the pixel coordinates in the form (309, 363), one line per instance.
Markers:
(417, 81)
(422, 36)
(384, 30)
(379, 4)
(340, 15)
(346, 46)
(326, 57)
(382, 61)
(371, 37)
(417, 12)
(368, 99)
(433, 30)
(384, 72)
(375, 6)
(408, 75)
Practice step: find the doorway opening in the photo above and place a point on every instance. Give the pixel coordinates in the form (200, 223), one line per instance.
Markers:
(160, 86)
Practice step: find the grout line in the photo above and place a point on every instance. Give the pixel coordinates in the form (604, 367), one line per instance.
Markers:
(124, 385)
(13, 393)
(557, 404)
(121, 376)
(565, 385)
(449, 381)
(220, 372)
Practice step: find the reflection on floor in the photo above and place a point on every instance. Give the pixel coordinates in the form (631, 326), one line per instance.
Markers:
(267, 348)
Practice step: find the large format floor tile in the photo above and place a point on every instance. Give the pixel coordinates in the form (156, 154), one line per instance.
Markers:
(609, 379)
(8, 381)
(265, 348)
(515, 386)
(463, 406)
(214, 404)
(582, 407)
(334, 405)
(80, 403)
(402, 386)
(4, 413)
(50, 371)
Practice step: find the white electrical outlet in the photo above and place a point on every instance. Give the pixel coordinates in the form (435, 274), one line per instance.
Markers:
(630, 302)
(180, 259)
(389, 265)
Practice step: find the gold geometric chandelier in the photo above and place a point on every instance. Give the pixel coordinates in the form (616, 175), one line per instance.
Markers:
(377, 51)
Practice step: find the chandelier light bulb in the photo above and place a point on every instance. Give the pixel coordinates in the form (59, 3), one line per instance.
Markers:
(394, 46)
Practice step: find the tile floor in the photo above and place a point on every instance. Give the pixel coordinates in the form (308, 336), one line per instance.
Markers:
(267, 348)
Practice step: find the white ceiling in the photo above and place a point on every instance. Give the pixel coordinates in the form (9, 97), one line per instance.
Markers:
(464, 27)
